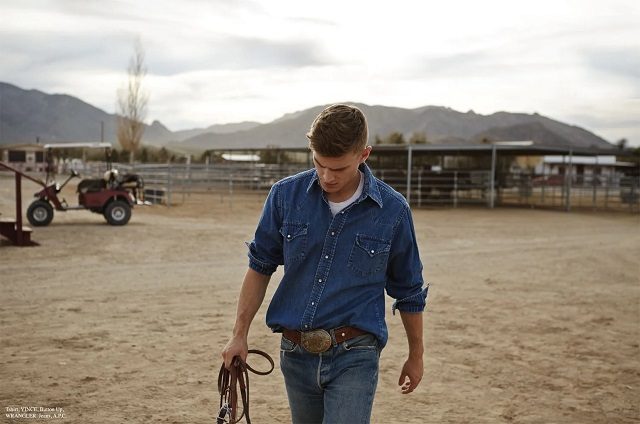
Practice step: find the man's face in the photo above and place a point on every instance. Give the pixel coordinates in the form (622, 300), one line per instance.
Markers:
(339, 176)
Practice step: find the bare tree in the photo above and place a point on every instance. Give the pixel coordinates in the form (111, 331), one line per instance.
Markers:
(132, 104)
(622, 144)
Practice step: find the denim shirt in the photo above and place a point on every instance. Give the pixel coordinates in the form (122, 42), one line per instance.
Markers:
(336, 269)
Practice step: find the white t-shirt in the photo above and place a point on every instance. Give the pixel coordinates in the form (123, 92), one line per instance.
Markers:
(337, 207)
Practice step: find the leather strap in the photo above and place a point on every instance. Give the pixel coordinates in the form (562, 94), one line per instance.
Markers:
(228, 381)
(341, 334)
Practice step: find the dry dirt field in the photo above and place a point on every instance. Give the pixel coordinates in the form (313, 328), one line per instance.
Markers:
(533, 317)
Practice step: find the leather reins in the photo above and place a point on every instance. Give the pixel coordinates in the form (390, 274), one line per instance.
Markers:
(228, 382)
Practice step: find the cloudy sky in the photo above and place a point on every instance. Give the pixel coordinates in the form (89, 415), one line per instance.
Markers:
(219, 61)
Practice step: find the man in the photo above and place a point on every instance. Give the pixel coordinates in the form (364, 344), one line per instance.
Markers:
(344, 237)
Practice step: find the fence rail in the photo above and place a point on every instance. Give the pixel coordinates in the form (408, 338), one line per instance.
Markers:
(596, 192)
(172, 183)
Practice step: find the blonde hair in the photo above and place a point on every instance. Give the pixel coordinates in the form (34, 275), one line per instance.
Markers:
(337, 130)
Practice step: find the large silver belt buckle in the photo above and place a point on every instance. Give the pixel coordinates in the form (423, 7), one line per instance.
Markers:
(316, 341)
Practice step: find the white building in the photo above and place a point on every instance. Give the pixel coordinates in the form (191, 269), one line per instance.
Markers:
(24, 157)
(585, 168)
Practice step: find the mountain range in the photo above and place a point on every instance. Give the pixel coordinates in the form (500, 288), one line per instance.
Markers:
(30, 115)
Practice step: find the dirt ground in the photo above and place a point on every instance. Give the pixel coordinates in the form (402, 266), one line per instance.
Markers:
(533, 317)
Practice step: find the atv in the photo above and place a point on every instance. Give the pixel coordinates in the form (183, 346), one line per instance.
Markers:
(113, 196)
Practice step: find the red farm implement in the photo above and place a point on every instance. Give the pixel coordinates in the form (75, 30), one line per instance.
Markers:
(112, 196)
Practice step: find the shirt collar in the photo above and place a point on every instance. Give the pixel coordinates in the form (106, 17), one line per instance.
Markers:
(370, 188)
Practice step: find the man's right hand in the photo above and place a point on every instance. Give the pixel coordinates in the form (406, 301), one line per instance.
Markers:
(236, 346)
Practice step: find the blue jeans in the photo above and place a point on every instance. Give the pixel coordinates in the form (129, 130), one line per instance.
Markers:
(333, 387)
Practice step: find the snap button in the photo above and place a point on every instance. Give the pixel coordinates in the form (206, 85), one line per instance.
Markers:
(326, 256)
(333, 233)
(319, 280)
(373, 251)
(342, 334)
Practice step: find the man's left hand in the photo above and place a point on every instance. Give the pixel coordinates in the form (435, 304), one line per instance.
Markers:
(411, 375)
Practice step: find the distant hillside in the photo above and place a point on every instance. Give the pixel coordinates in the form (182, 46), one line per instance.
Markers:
(527, 131)
(440, 124)
(216, 128)
(29, 114)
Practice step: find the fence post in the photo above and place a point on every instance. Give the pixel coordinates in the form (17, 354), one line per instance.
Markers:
(189, 175)
(169, 185)
(569, 182)
(455, 189)
(409, 166)
(208, 178)
(184, 186)
(231, 191)
(606, 191)
(19, 236)
(492, 198)
(420, 188)
(593, 183)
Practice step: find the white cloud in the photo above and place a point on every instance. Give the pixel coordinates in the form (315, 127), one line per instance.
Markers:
(223, 60)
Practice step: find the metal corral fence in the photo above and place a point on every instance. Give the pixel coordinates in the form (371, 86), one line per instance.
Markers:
(170, 184)
(450, 188)
(596, 192)
(453, 188)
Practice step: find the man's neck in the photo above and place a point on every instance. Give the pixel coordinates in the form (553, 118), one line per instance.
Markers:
(347, 192)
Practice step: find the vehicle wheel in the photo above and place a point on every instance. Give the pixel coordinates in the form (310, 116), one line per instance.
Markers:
(40, 213)
(117, 212)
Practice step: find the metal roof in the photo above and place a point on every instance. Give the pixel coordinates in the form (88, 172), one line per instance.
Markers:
(519, 148)
(94, 145)
(513, 149)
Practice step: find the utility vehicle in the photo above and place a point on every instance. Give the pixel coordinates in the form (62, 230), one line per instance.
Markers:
(113, 195)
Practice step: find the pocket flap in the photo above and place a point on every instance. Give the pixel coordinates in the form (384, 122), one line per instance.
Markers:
(291, 230)
(373, 246)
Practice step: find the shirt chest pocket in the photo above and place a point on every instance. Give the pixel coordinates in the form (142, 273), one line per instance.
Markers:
(369, 255)
(294, 244)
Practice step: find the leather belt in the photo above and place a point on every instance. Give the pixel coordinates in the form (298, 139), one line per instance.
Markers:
(318, 341)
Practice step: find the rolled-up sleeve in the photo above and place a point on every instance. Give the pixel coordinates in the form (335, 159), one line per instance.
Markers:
(265, 250)
(404, 273)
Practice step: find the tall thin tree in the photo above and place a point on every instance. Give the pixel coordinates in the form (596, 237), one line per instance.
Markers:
(132, 104)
